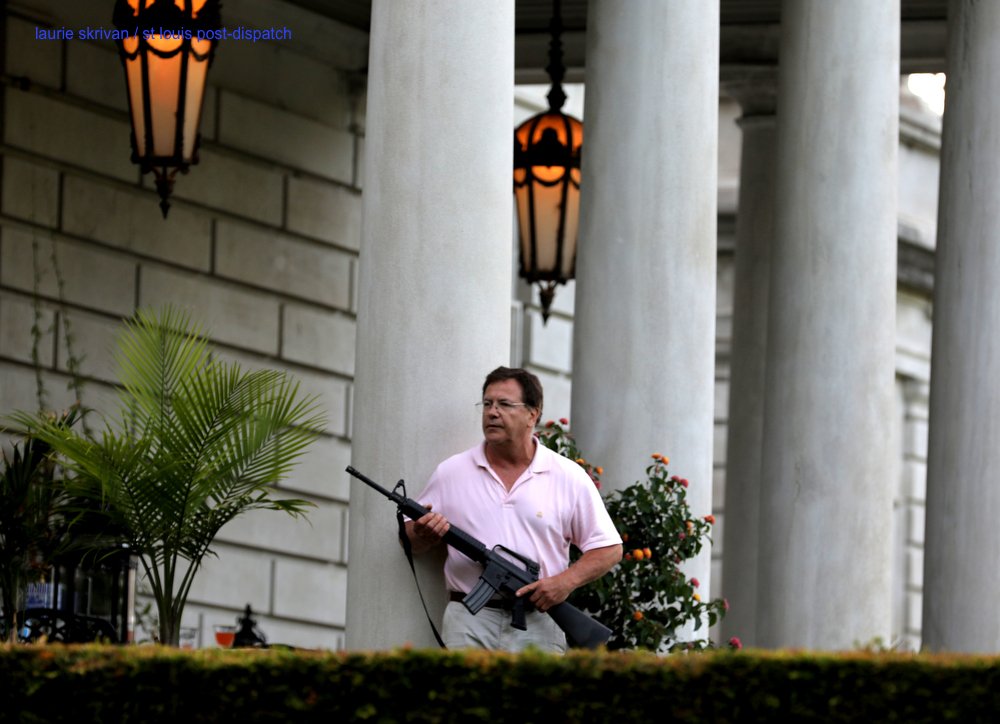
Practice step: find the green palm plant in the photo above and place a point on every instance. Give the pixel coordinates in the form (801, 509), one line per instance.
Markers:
(33, 512)
(197, 442)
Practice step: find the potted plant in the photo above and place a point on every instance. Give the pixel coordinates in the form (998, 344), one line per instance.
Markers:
(32, 518)
(196, 442)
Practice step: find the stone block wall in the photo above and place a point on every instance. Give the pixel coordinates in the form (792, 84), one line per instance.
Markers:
(261, 246)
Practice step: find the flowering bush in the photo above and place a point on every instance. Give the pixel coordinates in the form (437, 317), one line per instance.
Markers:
(647, 599)
(555, 436)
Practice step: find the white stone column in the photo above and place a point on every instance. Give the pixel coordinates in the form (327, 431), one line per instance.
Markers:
(754, 234)
(828, 474)
(434, 280)
(644, 334)
(962, 545)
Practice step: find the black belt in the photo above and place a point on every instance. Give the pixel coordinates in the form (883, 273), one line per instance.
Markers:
(504, 604)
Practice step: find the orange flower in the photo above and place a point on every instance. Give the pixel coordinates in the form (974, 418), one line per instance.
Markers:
(581, 461)
(710, 519)
(696, 597)
(600, 470)
(624, 537)
(637, 554)
(638, 616)
(647, 553)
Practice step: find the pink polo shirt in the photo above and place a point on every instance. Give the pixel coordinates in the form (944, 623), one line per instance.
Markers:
(553, 503)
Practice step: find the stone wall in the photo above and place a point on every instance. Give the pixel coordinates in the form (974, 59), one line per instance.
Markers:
(260, 245)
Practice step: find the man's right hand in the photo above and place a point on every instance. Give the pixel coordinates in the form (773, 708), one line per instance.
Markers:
(427, 531)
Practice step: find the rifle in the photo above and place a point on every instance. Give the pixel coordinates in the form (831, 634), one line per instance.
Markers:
(501, 575)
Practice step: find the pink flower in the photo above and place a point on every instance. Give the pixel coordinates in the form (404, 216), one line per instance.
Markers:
(550, 423)
(564, 420)
(735, 643)
(684, 482)
(681, 536)
(695, 582)
(725, 603)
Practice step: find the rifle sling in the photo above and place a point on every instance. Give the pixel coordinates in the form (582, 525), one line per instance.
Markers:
(408, 550)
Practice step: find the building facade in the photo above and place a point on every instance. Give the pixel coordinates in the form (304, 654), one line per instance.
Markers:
(759, 247)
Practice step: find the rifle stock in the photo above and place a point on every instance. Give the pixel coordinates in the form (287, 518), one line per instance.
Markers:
(501, 575)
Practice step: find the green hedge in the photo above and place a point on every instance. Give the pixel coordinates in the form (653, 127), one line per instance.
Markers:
(149, 684)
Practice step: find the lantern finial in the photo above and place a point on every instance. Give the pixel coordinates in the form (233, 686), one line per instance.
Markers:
(164, 187)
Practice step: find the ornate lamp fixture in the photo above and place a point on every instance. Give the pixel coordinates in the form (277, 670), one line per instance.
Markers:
(547, 184)
(166, 54)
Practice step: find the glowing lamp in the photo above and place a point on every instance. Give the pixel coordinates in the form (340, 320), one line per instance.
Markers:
(166, 49)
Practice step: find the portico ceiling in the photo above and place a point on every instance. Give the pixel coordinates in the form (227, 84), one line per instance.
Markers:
(749, 32)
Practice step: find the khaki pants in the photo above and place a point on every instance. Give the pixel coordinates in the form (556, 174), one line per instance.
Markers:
(491, 629)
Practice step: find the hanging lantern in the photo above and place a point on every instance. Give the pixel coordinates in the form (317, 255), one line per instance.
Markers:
(547, 150)
(166, 49)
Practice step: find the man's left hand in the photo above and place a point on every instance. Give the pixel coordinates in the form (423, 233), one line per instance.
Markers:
(548, 592)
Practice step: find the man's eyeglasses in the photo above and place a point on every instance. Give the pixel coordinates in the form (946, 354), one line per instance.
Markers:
(502, 405)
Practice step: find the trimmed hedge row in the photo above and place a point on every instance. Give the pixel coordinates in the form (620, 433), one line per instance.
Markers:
(150, 684)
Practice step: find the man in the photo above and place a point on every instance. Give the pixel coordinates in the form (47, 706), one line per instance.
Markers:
(513, 491)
